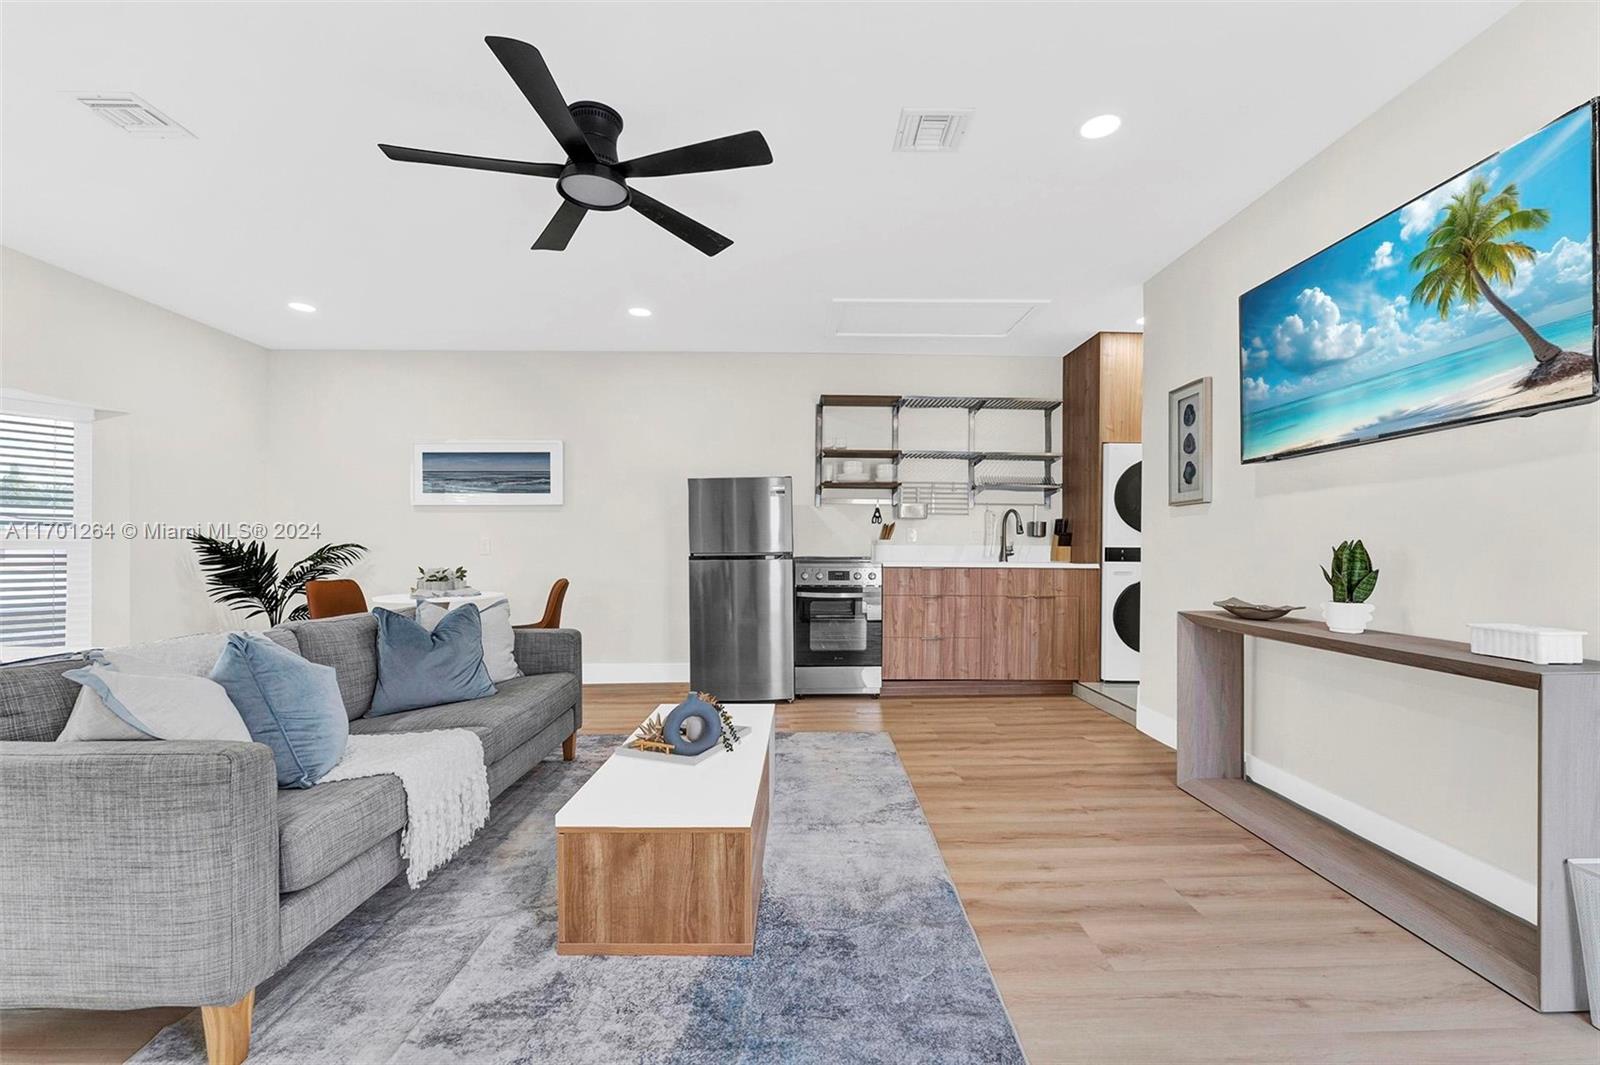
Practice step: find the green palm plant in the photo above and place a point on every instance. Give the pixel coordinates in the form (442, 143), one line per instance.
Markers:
(1470, 250)
(241, 574)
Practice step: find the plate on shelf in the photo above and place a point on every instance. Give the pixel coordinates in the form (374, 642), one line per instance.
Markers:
(1254, 611)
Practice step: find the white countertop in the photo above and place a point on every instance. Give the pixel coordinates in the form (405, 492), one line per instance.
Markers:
(640, 789)
(991, 564)
(969, 556)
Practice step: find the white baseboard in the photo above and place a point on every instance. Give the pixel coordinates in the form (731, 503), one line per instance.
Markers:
(636, 672)
(1159, 727)
(1506, 890)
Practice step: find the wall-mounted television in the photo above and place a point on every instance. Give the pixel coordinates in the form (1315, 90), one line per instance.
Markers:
(1474, 301)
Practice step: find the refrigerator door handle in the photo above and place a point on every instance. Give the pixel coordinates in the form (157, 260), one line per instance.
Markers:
(739, 558)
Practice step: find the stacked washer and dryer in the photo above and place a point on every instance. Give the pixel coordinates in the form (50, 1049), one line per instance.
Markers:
(1122, 470)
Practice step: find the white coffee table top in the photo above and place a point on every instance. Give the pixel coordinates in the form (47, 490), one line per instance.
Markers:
(640, 789)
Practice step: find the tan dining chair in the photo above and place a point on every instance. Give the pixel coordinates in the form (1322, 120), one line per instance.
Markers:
(332, 599)
(552, 607)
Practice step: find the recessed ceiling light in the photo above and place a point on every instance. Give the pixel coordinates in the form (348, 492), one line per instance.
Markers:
(303, 308)
(1138, 321)
(639, 312)
(1100, 126)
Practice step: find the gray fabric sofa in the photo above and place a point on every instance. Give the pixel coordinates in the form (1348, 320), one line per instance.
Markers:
(137, 874)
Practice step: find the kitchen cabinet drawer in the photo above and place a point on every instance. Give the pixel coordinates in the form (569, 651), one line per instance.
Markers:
(906, 616)
(1039, 583)
(932, 658)
(932, 580)
(953, 616)
(1015, 582)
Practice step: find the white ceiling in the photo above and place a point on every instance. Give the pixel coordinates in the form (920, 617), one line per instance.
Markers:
(284, 195)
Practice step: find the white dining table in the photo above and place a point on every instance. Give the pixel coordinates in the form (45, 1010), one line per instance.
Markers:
(406, 601)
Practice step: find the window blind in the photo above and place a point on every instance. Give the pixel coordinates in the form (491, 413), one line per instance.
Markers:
(44, 583)
(36, 469)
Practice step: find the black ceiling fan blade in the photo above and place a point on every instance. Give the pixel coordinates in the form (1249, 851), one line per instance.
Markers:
(561, 227)
(471, 162)
(679, 224)
(724, 153)
(527, 68)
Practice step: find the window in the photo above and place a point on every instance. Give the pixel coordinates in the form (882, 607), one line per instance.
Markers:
(44, 549)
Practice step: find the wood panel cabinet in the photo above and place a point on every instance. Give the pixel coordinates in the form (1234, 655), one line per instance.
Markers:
(932, 658)
(932, 629)
(1019, 624)
(933, 580)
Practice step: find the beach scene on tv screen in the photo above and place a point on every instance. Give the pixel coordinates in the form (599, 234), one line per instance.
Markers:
(1473, 300)
(500, 472)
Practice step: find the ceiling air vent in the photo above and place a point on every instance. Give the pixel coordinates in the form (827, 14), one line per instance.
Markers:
(931, 131)
(130, 114)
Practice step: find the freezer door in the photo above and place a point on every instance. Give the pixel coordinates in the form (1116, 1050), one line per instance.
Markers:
(741, 628)
(741, 516)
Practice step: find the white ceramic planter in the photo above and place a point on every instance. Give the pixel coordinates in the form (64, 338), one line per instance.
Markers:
(1347, 617)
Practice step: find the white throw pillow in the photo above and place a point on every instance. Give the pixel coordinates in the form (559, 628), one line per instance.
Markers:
(193, 655)
(499, 642)
(125, 697)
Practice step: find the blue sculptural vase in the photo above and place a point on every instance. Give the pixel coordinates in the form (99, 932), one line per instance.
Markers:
(680, 725)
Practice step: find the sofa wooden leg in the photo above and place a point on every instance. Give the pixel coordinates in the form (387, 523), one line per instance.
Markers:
(228, 1030)
(569, 748)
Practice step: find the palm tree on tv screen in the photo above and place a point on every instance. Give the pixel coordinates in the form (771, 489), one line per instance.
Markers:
(1469, 250)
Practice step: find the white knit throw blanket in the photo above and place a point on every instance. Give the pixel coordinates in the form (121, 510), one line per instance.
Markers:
(447, 789)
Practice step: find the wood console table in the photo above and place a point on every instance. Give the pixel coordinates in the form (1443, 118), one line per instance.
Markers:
(1538, 963)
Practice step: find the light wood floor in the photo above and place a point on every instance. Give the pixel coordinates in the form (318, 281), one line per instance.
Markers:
(1124, 921)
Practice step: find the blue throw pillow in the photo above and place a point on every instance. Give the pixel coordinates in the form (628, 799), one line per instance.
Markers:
(288, 703)
(418, 668)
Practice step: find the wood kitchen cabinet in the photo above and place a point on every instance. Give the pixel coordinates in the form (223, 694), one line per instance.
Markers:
(958, 624)
(932, 625)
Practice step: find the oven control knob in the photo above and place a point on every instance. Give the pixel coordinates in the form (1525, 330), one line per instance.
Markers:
(856, 576)
(871, 576)
(805, 576)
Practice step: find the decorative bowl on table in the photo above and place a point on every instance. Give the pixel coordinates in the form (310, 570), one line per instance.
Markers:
(1254, 611)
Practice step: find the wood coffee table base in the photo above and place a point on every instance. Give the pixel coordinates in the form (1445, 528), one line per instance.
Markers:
(660, 890)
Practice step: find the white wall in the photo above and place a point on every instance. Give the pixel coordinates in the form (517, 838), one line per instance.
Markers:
(635, 427)
(188, 446)
(1490, 522)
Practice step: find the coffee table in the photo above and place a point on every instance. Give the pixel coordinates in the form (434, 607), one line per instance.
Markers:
(661, 854)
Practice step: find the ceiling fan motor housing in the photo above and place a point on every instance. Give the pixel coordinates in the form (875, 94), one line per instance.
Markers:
(601, 126)
(596, 186)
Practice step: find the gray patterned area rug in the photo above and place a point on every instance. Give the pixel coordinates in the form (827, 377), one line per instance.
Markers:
(863, 951)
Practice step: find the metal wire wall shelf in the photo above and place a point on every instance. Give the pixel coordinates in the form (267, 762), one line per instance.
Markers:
(827, 489)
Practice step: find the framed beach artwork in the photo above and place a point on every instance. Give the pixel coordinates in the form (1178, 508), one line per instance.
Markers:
(478, 474)
(1474, 301)
(1189, 443)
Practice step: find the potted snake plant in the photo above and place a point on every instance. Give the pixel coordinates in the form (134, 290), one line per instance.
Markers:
(1352, 580)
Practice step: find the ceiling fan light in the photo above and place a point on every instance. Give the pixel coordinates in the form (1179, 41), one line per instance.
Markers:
(598, 191)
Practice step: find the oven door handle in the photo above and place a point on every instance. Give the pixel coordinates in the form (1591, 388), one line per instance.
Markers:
(830, 595)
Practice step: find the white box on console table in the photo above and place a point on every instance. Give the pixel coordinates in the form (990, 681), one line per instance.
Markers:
(1528, 643)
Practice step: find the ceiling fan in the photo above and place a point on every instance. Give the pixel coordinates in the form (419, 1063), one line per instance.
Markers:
(592, 179)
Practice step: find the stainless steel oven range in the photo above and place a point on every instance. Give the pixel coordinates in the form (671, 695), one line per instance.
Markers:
(838, 626)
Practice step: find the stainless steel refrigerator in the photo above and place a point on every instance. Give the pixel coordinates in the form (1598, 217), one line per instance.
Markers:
(741, 588)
